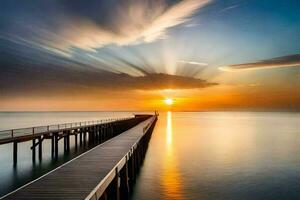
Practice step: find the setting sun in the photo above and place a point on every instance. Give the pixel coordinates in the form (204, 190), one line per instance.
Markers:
(169, 101)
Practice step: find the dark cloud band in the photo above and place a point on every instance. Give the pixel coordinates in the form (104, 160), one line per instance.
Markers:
(285, 61)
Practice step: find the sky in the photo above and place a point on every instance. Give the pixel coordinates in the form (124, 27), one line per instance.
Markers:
(132, 54)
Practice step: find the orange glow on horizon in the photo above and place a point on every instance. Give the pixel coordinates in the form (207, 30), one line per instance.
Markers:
(207, 99)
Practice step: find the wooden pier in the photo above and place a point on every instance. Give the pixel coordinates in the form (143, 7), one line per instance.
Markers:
(91, 132)
(107, 171)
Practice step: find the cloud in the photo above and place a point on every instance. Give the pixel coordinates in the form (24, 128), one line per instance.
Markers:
(229, 8)
(94, 24)
(193, 63)
(285, 61)
(20, 82)
(190, 68)
(24, 73)
(165, 81)
(27, 72)
(175, 15)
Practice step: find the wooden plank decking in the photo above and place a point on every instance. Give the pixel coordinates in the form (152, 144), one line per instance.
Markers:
(77, 178)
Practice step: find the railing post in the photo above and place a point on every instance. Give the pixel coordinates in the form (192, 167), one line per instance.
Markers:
(12, 133)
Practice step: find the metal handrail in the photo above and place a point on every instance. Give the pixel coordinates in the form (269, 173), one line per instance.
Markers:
(12, 133)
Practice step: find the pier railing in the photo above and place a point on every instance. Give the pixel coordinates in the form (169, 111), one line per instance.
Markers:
(12, 133)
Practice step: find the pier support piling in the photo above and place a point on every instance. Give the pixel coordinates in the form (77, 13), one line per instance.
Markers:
(68, 142)
(15, 152)
(33, 150)
(40, 148)
(80, 137)
(84, 138)
(65, 148)
(52, 145)
(116, 184)
(76, 135)
(56, 145)
(124, 185)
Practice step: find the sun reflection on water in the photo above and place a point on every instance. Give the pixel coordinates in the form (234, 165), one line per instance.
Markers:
(169, 129)
(171, 177)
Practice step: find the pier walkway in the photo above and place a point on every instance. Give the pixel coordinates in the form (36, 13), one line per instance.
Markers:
(105, 172)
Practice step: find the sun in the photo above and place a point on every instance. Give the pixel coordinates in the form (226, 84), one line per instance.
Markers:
(169, 101)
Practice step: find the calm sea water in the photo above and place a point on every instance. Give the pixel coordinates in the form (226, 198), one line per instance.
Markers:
(222, 155)
(214, 155)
